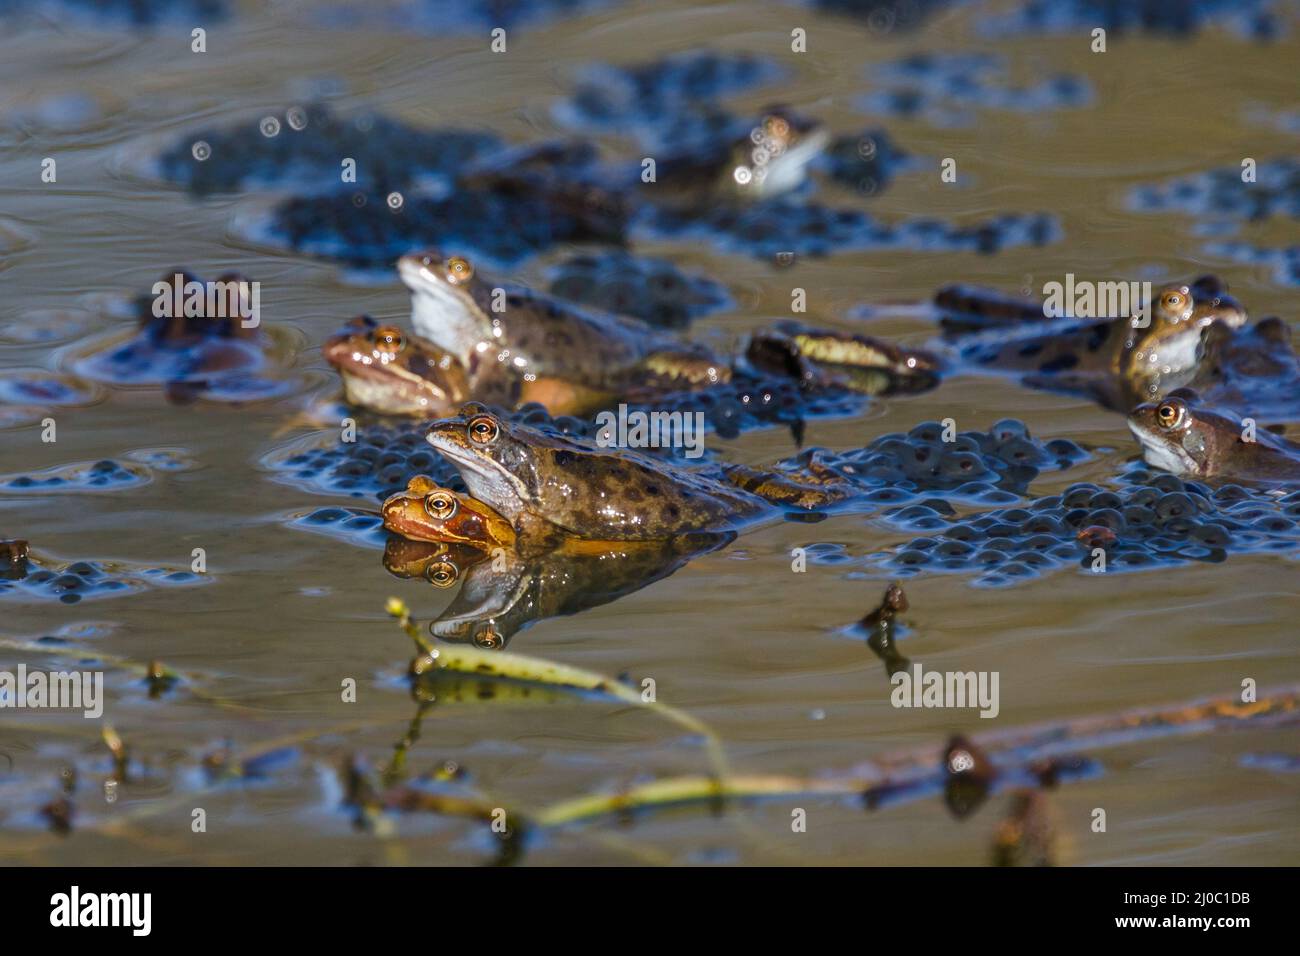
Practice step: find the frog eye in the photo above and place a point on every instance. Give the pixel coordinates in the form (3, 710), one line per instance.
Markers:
(388, 339)
(440, 505)
(442, 574)
(1174, 301)
(1169, 414)
(776, 126)
(489, 639)
(459, 270)
(483, 430)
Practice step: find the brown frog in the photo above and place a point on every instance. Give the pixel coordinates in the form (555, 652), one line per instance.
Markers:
(1180, 436)
(427, 512)
(548, 486)
(535, 348)
(395, 373)
(1119, 361)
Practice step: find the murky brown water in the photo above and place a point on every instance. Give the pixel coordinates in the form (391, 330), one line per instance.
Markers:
(734, 638)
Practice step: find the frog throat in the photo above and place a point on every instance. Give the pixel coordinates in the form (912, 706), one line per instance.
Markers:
(1165, 454)
(445, 316)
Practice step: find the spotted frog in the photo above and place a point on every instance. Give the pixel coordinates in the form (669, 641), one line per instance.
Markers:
(538, 348)
(1118, 362)
(546, 485)
(1180, 436)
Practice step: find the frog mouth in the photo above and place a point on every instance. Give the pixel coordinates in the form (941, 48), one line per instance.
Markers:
(1162, 453)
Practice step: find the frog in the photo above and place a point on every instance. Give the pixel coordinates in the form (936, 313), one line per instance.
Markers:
(549, 486)
(426, 511)
(534, 347)
(190, 353)
(865, 364)
(1120, 361)
(1254, 370)
(770, 158)
(1178, 434)
(394, 372)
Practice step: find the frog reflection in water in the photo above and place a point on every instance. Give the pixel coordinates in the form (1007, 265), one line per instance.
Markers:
(504, 592)
(1120, 361)
(1181, 437)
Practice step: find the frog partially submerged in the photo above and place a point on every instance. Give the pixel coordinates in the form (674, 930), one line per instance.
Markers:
(1117, 361)
(550, 487)
(425, 511)
(818, 358)
(1180, 436)
(1254, 370)
(538, 348)
(769, 159)
(393, 372)
(207, 348)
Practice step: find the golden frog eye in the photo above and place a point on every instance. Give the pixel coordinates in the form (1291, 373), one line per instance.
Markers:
(388, 339)
(483, 430)
(459, 270)
(1173, 301)
(442, 574)
(1168, 414)
(440, 505)
(488, 639)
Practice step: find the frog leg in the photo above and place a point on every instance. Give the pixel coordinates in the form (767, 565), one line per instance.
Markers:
(563, 397)
(796, 491)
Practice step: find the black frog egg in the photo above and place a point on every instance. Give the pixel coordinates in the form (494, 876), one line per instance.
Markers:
(1062, 449)
(953, 549)
(912, 558)
(1211, 535)
(961, 465)
(1167, 483)
(1138, 516)
(1105, 518)
(1019, 451)
(1105, 499)
(1077, 496)
(930, 432)
(1275, 524)
(1009, 428)
(1043, 524)
(1175, 504)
